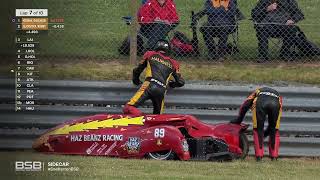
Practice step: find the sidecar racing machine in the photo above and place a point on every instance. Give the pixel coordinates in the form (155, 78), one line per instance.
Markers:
(168, 136)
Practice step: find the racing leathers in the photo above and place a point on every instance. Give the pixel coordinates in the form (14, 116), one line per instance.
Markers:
(263, 101)
(159, 72)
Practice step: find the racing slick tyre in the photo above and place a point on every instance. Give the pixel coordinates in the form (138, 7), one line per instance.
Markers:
(244, 145)
(162, 155)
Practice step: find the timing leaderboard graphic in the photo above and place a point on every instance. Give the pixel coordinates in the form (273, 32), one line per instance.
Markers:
(32, 25)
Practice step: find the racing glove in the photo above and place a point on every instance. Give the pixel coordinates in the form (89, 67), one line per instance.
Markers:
(179, 81)
(136, 74)
(136, 81)
(172, 84)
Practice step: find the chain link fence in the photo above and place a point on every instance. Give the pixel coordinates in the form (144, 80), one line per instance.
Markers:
(198, 30)
(218, 30)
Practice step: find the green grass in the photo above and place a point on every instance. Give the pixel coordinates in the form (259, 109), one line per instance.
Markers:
(112, 168)
(235, 72)
(191, 71)
(95, 29)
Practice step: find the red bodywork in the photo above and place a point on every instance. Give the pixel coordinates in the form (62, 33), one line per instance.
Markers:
(133, 137)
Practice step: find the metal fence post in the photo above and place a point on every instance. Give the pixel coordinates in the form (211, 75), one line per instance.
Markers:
(133, 32)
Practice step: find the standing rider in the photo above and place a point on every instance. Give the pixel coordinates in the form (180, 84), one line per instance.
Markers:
(160, 68)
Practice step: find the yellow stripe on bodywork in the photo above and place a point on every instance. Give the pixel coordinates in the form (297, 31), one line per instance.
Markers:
(162, 106)
(170, 77)
(254, 113)
(91, 125)
(139, 93)
(280, 114)
(278, 120)
(148, 70)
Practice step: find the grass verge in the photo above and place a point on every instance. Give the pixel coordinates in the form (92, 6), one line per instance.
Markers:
(112, 168)
(235, 72)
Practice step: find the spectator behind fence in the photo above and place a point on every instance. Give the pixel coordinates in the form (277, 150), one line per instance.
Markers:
(277, 19)
(221, 22)
(157, 18)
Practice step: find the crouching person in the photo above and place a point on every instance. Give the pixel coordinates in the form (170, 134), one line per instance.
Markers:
(263, 101)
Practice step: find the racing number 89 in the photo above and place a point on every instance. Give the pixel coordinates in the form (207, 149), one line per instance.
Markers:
(159, 132)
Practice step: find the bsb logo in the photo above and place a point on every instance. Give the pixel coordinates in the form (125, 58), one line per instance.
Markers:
(28, 166)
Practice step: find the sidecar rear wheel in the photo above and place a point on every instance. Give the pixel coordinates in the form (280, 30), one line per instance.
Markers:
(162, 155)
(244, 145)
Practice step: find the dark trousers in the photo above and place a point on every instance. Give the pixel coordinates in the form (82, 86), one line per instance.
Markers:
(219, 32)
(264, 106)
(148, 90)
(290, 35)
(154, 32)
